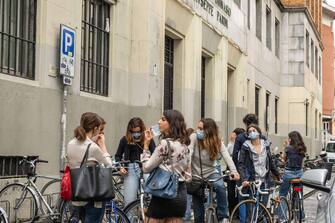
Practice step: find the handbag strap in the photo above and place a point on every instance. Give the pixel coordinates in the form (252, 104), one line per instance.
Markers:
(202, 177)
(85, 156)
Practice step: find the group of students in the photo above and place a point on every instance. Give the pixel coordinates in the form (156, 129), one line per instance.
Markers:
(191, 154)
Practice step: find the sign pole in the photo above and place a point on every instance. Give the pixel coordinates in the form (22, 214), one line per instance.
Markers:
(66, 70)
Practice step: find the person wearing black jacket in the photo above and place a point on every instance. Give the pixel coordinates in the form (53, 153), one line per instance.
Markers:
(255, 161)
(242, 137)
(130, 148)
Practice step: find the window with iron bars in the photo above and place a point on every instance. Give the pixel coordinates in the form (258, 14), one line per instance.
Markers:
(168, 73)
(95, 47)
(18, 37)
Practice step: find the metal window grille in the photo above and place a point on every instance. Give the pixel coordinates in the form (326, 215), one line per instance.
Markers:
(267, 101)
(18, 37)
(307, 49)
(257, 101)
(306, 118)
(9, 166)
(95, 47)
(277, 37)
(268, 28)
(203, 82)
(312, 58)
(168, 73)
(259, 19)
(276, 115)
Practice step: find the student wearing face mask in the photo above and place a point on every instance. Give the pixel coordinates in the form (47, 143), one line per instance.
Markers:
(255, 162)
(88, 136)
(205, 147)
(130, 148)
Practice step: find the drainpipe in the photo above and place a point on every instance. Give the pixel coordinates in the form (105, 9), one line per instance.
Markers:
(63, 124)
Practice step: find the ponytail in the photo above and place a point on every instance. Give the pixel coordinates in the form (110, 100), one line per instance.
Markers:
(88, 122)
(80, 133)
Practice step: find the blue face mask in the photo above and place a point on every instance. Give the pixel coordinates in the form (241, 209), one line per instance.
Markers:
(253, 135)
(200, 134)
(136, 135)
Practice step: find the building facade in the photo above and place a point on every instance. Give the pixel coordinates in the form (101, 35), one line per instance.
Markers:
(207, 58)
(328, 70)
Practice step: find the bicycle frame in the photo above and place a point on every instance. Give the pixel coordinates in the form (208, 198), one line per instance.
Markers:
(30, 183)
(256, 196)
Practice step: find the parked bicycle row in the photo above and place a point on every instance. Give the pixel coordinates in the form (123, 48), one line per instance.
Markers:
(180, 178)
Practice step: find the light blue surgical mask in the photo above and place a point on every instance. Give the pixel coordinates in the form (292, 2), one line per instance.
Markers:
(200, 134)
(136, 135)
(253, 135)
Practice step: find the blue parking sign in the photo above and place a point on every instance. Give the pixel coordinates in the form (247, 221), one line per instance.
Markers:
(67, 51)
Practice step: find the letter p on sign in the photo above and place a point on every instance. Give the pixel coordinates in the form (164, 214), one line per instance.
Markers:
(68, 43)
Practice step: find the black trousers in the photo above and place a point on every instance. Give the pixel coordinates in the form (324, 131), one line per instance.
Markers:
(232, 196)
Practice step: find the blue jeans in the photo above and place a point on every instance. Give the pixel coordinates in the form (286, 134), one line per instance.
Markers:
(88, 213)
(131, 183)
(188, 213)
(285, 186)
(221, 198)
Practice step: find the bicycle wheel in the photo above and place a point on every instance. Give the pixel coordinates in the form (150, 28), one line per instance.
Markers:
(297, 207)
(51, 193)
(210, 216)
(282, 211)
(3, 216)
(119, 198)
(249, 211)
(66, 211)
(114, 214)
(134, 211)
(19, 202)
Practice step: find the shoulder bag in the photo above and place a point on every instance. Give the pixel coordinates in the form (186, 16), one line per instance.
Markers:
(162, 183)
(196, 186)
(91, 183)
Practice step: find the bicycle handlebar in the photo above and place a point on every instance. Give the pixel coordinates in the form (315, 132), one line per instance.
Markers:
(257, 184)
(32, 162)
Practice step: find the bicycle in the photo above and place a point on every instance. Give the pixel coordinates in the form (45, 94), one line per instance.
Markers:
(24, 202)
(113, 211)
(279, 206)
(3, 216)
(135, 210)
(210, 209)
(297, 200)
(252, 209)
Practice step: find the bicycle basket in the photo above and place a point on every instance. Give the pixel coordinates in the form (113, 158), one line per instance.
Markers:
(27, 168)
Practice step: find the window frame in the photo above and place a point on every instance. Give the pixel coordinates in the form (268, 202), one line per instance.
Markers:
(18, 21)
(95, 42)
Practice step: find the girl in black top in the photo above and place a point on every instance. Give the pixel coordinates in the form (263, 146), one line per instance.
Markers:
(130, 148)
(293, 156)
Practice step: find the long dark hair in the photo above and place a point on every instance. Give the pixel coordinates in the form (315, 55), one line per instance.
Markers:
(211, 141)
(88, 122)
(134, 123)
(297, 142)
(177, 126)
